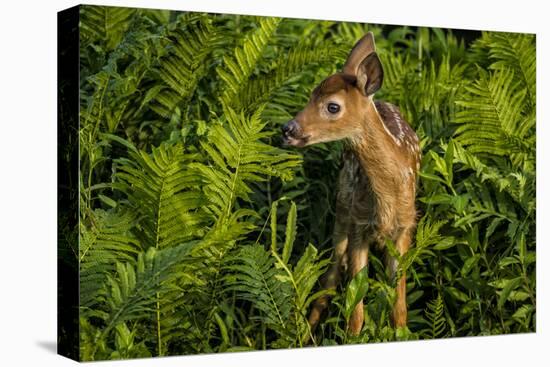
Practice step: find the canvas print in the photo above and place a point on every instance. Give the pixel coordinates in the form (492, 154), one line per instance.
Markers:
(233, 183)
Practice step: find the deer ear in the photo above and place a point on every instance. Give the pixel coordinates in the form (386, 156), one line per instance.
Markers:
(370, 74)
(362, 49)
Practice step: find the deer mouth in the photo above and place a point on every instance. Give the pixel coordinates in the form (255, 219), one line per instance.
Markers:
(295, 141)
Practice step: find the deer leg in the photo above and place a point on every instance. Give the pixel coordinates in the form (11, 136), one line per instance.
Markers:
(399, 313)
(340, 241)
(358, 257)
(331, 278)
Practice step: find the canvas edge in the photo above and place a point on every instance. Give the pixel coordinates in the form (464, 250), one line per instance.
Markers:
(68, 68)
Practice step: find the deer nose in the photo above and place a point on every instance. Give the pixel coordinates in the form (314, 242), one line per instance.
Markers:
(289, 127)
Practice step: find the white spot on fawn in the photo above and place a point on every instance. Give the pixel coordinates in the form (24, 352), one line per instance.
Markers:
(397, 141)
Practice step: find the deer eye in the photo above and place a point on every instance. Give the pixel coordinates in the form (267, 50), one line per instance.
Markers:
(333, 107)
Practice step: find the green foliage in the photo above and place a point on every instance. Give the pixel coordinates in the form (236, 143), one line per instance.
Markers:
(162, 190)
(238, 68)
(355, 292)
(237, 155)
(105, 241)
(198, 234)
(257, 281)
(104, 25)
(506, 128)
(182, 66)
(436, 318)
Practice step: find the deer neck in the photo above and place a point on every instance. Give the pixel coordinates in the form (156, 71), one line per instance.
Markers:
(376, 151)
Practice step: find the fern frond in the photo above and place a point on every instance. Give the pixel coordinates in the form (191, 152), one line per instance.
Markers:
(436, 318)
(303, 277)
(106, 240)
(515, 51)
(427, 236)
(493, 120)
(104, 24)
(237, 156)
(132, 290)
(520, 185)
(287, 69)
(424, 94)
(253, 275)
(185, 64)
(163, 189)
(427, 232)
(238, 68)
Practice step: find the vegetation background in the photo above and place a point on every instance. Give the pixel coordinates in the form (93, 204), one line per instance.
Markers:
(199, 233)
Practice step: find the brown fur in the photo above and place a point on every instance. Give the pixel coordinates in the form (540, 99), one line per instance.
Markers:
(377, 183)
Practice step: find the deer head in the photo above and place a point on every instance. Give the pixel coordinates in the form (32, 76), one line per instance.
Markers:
(337, 106)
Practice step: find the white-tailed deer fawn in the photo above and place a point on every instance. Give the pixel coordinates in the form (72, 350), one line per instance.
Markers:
(377, 184)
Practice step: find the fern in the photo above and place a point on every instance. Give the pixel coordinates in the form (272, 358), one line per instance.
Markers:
(436, 318)
(494, 121)
(104, 24)
(106, 241)
(263, 88)
(255, 278)
(237, 155)
(132, 291)
(427, 237)
(303, 278)
(183, 67)
(237, 70)
(517, 52)
(161, 188)
(426, 98)
(518, 184)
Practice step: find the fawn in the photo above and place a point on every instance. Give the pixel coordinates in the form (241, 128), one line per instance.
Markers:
(377, 182)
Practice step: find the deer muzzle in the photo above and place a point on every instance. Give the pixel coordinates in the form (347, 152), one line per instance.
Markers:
(293, 134)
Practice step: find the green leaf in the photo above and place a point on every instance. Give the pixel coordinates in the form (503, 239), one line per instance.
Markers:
(509, 286)
(457, 294)
(469, 264)
(392, 250)
(449, 156)
(223, 329)
(445, 244)
(108, 201)
(438, 199)
(435, 314)
(403, 334)
(356, 291)
(290, 233)
(523, 312)
(273, 214)
(432, 177)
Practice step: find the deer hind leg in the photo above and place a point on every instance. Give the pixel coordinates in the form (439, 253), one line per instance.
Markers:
(399, 313)
(358, 253)
(332, 277)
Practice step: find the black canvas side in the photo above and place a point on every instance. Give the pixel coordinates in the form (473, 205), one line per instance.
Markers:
(67, 182)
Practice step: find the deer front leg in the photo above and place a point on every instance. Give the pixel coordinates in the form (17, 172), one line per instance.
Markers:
(358, 257)
(339, 238)
(399, 313)
(332, 277)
